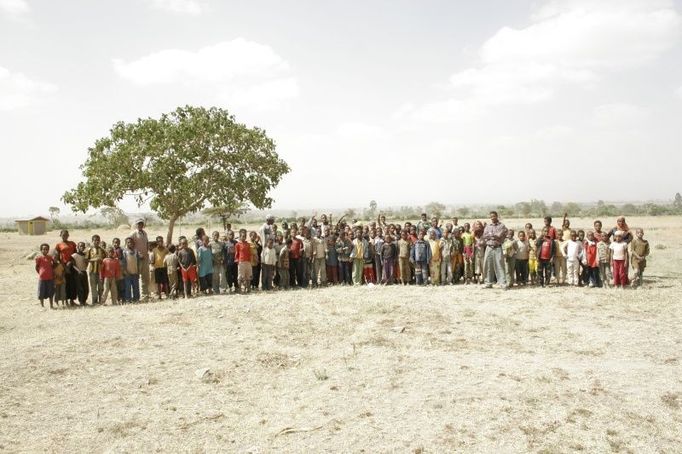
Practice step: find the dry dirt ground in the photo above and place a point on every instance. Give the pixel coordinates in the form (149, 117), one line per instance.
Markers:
(456, 369)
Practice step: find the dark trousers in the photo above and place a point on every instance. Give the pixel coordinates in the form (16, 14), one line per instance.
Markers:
(231, 271)
(332, 274)
(82, 286)
(255, 277)
(206, 282)
(345, 275)
(521, 271)
(593, 276)
(300, 272)
(71, 284)
(545, 271)
(387, 277)
(268, 275)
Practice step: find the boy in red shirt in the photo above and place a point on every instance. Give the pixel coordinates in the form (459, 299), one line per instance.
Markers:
(545, 250)
(591, 260)
(45, 270)
(242, 256)
(109, 273)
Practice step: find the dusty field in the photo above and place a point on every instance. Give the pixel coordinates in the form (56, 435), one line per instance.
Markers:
(473, 370)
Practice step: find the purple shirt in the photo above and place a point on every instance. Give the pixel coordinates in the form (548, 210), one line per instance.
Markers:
(494, 234)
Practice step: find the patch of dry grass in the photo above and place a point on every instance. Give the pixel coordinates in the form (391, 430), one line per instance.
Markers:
(403, 369)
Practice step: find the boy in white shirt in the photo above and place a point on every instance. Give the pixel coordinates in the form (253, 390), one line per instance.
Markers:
(619, 250)
(522, 256)
(573, 251)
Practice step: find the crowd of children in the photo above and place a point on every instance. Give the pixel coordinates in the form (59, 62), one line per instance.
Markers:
(314, 253)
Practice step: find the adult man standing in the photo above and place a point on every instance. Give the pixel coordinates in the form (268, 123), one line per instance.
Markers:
(141, 241)
(266, 231)
(494, 235)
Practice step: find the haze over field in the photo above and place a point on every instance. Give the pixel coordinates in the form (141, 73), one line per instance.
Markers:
(556, 100)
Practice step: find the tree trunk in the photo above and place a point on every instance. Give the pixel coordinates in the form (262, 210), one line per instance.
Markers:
(171, 226)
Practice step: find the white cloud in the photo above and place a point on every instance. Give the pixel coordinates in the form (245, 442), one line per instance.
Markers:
(18, 91)
(568, 42)
(241, 72)
(360, 131)
(449, 111)
(191, 7)
(263, 96)
(678, 92)
(223, 61)
(14, 8)
(618, 115)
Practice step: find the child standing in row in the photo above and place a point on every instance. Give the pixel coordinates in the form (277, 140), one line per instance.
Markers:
(573, 250)
(604, 256)
(45, 269)
(109, 272)
(591, 260)
(171, 263)
(619, 257)
(161, 273)
(95, 257)
(268, 262)
(283, 265)
(80, 265)
(546, 250)
(509, 249)
(640, 250)
(521, 259)
(532, 256)
(205, 263)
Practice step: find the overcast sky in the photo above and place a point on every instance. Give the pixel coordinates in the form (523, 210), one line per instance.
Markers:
(403, 102)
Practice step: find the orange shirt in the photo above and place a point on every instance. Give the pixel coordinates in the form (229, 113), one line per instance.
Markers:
(242, 252)
(65, 249)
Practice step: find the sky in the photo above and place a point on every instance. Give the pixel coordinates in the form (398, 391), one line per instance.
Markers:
(402, 102)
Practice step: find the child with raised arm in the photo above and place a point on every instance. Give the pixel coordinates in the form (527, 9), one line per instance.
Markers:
(109, 272)
(639, 248)
(45, 269)
(591, 260)
(619, 260)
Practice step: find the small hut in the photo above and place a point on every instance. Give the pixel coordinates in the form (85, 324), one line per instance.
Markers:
(35, 226)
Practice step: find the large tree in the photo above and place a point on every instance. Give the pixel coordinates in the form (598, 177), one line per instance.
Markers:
(180, 163)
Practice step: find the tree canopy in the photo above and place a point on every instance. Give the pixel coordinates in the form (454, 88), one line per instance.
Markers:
(180, 163)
